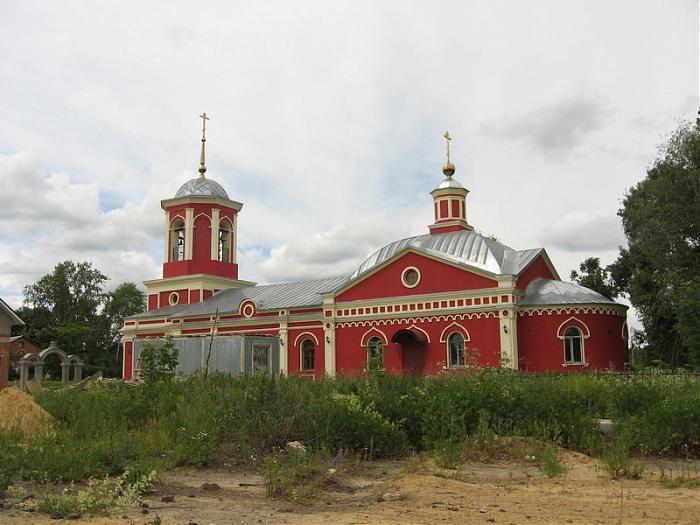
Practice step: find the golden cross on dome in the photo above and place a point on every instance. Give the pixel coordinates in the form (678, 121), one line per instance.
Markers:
(202, 165)
(448, 139)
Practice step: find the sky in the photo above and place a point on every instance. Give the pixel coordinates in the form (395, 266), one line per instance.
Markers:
(327, 121)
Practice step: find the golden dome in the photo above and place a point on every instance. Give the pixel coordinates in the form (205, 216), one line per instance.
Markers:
(448, 169)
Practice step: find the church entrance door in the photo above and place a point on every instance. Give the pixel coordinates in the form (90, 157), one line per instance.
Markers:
(412, 352)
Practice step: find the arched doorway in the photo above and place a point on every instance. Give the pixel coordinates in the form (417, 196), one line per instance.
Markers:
(412, 347)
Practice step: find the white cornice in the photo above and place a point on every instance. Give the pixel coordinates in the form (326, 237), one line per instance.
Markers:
(201, 199)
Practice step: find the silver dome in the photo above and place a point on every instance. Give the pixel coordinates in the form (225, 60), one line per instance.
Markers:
(463, 247)
(203, 187)
(449, 182)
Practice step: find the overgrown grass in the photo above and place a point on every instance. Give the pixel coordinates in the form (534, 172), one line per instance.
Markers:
(112, 427)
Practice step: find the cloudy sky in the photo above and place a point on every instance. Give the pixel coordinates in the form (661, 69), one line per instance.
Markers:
(327, 122)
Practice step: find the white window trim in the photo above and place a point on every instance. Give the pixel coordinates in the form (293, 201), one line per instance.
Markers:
(447, 349)
(403, 276)
(583, 338)
(176, 300)
(301, 355)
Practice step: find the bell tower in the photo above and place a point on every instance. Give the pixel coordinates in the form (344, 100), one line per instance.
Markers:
(201, 224)
(449, 200)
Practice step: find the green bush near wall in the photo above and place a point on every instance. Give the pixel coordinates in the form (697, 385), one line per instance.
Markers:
(113, 426)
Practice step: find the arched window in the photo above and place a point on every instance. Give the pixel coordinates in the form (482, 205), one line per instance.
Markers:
(177, 240)
(573, 346)
(225, 238)
(455, 347)
(308, 355)
(375, 353)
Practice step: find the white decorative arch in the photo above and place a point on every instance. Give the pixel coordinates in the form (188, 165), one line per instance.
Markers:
(305, 335)
(372, 332)
(575, 322)
(454, 327)
(226, 220)
(199, 215)
(416, 327)
(174, 218)
(625, 331)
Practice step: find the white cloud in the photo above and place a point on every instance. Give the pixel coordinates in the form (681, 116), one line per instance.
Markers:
(328, 254)
(323, 116)
(585, 231)
(556, 128)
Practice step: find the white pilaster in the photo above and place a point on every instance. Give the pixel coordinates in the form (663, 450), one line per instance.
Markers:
(234, 240)
(508, 328)
(214, 234)
(284, 348)
(166, 257)
(189, 233)
(329, 342)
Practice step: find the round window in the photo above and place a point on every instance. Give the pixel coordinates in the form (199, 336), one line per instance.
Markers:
(248, 310)
(410, 277)
(174, 298)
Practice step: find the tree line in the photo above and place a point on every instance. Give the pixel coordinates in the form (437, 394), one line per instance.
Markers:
(659, 269)
(71, 305)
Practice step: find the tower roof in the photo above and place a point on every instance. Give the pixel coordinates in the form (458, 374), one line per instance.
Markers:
(201, 186)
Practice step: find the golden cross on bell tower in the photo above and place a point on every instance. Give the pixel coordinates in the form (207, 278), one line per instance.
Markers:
(448, 169)
(202, 164)
(447, 140)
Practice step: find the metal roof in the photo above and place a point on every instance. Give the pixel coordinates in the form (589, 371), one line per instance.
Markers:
(449, 182)
(550, 292)
(265, 297)
(14, 318)
(464, 247)
(201, 186)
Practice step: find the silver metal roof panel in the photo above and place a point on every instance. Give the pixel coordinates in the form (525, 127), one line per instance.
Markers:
(541, 292)
(265, 297)
(201, 186)
(464, 247)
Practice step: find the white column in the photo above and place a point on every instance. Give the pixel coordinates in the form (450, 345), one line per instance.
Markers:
(284, 348)
(234, 239)
(215, 234)
(508, 327)
(166, 257)
(329, 342)
(189, 233)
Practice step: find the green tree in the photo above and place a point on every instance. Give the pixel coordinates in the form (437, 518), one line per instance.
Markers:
(126, 300)
(596, 278)
(70, 306)
(659, 268)
(72, 293)
(158, 360)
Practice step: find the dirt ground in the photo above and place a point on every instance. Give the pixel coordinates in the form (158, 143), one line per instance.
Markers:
(507, 493)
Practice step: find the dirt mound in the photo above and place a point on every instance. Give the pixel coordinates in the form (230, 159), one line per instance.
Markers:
(18, 410)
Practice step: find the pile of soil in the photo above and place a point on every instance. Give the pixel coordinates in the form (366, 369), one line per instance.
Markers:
(19, 411)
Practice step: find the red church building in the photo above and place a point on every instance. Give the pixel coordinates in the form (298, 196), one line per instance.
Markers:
(441, 301)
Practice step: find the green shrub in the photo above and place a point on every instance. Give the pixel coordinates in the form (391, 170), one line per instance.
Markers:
(158, 360)
(551, 465)
(295, 474)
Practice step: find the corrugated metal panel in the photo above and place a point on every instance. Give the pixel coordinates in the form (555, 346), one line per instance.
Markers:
(192, 354)
(550, 292)
(464, 247)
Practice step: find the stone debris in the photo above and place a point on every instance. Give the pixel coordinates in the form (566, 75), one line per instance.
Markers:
(453, 507)
(210, 487)
(296, 447)
(392, 496)
(167, 499)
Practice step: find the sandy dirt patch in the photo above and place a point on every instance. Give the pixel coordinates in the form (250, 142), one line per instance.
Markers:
(502, 492)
